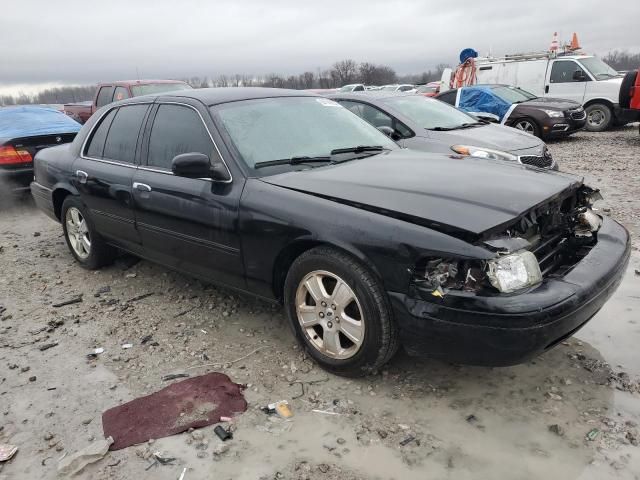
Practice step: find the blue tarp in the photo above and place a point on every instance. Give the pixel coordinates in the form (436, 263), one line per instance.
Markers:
(30, 121)
(482, 99)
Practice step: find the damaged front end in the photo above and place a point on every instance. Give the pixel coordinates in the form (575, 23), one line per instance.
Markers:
(547, 241)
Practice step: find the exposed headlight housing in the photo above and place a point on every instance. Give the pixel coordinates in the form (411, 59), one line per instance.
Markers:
(480, 152)
(554, 113)
(514, 272)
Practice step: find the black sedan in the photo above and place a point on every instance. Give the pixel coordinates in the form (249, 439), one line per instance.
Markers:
(425, 124)
(292, 198)
(512, 106)
(24, 131)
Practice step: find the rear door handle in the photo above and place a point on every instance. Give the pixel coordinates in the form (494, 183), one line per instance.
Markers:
(82, 176)
(143, 187)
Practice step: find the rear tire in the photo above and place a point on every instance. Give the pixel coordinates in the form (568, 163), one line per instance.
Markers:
(348, 327)
(84, 242)
(599, 117)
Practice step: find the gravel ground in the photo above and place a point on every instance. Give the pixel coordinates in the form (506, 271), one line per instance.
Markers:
(571, 413)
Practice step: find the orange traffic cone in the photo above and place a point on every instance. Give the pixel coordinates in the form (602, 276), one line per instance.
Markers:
(575, 45)
(554, 43)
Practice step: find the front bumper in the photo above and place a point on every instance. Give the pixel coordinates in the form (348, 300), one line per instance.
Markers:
(510, 329)
(560, 127)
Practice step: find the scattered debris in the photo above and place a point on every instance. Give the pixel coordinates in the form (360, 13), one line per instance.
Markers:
(407, 440)
(71, 301)
(557, 429)
(72, 464)
(592, 434)
(173, 376)
(126, 346)
(220, 449)
(140, 297)
(184, 470)
(146, 339)
(47, 346)
(325, 412)
(7, 451)
(222, 433)
(95, 352)
(192, 403)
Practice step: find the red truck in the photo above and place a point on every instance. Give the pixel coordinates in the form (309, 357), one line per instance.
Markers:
(114, 91)
(630, 94)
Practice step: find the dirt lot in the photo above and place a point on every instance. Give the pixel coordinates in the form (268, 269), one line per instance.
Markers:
(572, 413)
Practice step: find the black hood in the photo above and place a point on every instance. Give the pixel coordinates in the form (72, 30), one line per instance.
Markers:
(462, 194)
(493, 136)
(551, 103)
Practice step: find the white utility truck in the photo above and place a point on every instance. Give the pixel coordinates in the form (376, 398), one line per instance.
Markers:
(583, 78)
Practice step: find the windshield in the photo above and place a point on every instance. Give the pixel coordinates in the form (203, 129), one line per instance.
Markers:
(347, 88)
(151, 88)
(513, 94)
(392, 88)
(269, 129)
(429, 113)
(597, 68)
(427, 89)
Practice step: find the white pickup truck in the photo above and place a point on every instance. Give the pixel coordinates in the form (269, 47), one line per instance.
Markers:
(583, 78)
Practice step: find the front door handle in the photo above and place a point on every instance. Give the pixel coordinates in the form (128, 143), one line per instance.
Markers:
(82, 176)
(546, 89)
(143, 187)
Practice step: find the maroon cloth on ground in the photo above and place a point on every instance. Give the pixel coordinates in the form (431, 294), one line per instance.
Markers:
(202, 400)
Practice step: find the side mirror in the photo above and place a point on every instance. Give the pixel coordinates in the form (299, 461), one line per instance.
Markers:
(579, 76)
(191, 165)
(197, 165)
(388, 131)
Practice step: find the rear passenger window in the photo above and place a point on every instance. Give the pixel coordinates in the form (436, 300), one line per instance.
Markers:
(123, 135)
(96, 144)
(176, 130)
(104, 96)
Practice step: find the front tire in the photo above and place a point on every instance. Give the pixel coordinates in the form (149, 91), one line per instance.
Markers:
(340, 312)
(527, 125)
(84, 242)
(599, 117)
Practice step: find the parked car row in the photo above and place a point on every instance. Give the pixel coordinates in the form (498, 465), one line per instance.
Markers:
(469, 255)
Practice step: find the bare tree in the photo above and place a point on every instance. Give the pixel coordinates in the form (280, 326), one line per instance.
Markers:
(306, 79)
(344, 72)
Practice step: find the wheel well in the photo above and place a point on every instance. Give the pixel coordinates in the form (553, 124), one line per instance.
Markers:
(604, 101)
(58, 198)
(284, 261)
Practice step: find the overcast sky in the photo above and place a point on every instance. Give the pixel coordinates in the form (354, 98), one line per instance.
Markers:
(80, 41)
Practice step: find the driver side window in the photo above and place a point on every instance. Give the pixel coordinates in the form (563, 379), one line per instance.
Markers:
(563, 71)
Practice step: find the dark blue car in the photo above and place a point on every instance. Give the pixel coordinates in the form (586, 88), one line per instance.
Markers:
(24, 130)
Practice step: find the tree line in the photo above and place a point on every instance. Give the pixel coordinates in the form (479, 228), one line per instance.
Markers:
(340, 73)
(622, 60)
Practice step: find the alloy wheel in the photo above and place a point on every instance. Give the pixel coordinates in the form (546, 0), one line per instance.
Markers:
(525, 126)
(330, 315)
(78, 232)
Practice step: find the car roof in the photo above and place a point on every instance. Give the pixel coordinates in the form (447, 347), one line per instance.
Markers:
(215, 96)
(139, 82)
(370, 94)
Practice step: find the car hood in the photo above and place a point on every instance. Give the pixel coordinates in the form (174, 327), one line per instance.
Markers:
(551, 103)
(497, 137)
(446, 193)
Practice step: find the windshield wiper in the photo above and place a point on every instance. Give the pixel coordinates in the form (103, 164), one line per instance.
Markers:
(358, 149)
(457, 127)
(291, 161)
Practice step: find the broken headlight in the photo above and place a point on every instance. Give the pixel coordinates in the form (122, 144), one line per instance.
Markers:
(480, 152)
(514, 272)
